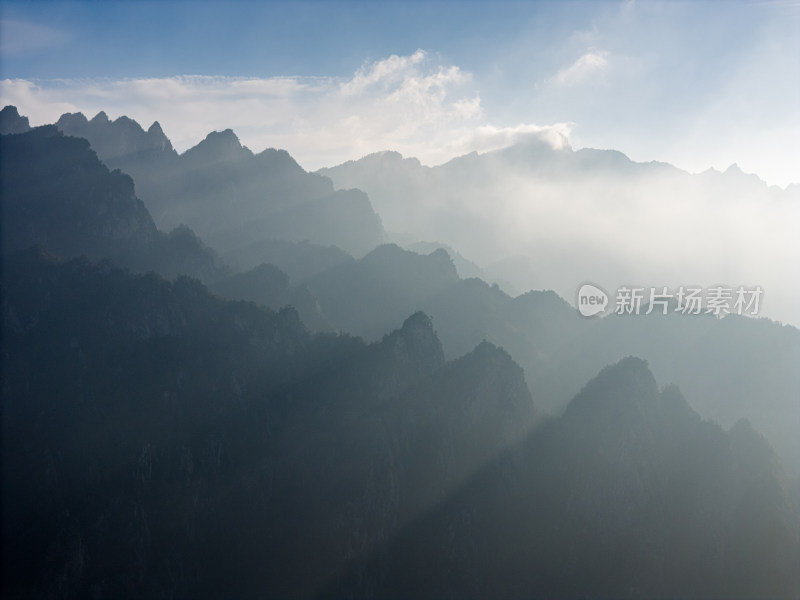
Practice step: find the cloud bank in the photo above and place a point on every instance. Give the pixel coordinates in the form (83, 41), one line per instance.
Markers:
(413, 104)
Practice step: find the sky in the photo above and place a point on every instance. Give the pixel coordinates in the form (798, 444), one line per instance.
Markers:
(699, 85)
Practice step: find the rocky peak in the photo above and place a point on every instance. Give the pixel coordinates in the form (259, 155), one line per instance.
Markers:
(618, 391)
(218, 146)
(63, 197)
(69, 122)
(100, 118)
(392, 258)
(129, 126)
(416, 342)
(277, 157)
(12, 122)
(158, 138)
(442, 257)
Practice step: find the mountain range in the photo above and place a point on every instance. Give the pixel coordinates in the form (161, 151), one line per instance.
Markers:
(269, 400)
(230, 196)
(200, 447)
(605, 217)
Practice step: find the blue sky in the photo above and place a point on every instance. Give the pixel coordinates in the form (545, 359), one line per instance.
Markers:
(696, 84)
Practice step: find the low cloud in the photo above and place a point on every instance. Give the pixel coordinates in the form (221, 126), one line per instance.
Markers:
(485, 138)
(414, 104)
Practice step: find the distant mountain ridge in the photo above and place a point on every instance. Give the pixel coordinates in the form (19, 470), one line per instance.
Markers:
(230, 196)
(57, 194)
(128, 143)
(76, 213)
(724, 365)
(604, 216)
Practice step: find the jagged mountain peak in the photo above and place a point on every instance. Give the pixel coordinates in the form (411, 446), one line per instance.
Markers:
(128, 124)
(487, 350)
(735, 173)
(10, 110)
(734, 169)
(100, 118)
(418, 324)
(218, 146)
(416, 343)
(393, 256)
(278, 160)
(12, 122)
(156, 133)
(385, 157)
(119, 143)
(226, 136)
(71, 120)
(543, 298)
(620, 387)
(390, 249)
(275, 197)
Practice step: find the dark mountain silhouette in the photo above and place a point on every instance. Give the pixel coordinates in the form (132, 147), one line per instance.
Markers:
(466, 268)
(233, 198)
(365, 296)
(160, 440)
(733, 368)
(57, 194)
(121, 143)
(569, 512)
(55, 191)
(12, 122)
(268, 286)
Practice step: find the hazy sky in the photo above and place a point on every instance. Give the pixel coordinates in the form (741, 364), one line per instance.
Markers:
(695, 84)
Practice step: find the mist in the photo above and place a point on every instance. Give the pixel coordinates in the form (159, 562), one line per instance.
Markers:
(606, 218)
(290, 300)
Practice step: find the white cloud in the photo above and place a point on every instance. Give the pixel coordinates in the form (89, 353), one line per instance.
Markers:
(389, 71)
(587, 65)
(412, 104)
(485, 138)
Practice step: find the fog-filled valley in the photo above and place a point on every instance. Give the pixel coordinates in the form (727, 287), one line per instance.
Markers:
(607, 219)
(225, 375)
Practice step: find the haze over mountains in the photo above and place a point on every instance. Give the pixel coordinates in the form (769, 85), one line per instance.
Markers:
(608, 219)
(271, 400)
(232, 198)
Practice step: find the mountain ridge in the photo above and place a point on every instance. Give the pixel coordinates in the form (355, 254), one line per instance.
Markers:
(165, 436)
(265, 196)
(56, 193)
(590, 493)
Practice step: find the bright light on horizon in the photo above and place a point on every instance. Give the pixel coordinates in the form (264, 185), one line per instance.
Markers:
(314, 121)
